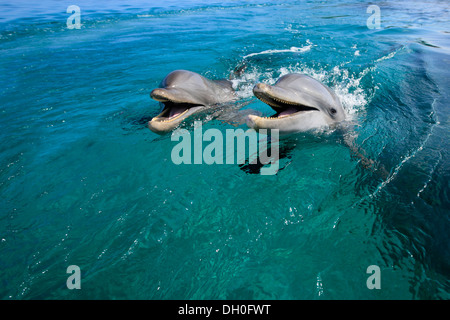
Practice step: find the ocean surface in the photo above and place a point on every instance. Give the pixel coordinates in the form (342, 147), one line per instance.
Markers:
(84, 182)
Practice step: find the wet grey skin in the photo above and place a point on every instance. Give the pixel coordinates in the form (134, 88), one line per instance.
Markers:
(301, 103)
(184, 93)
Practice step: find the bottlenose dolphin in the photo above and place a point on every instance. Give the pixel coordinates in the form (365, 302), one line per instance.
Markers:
(184, 93)
(301, 104)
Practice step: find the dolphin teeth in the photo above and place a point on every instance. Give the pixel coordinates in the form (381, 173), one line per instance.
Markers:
(174, 118)
(276, 99)
(270, 118)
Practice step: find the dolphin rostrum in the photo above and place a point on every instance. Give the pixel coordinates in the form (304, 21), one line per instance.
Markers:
(301, 103)
(184, 93)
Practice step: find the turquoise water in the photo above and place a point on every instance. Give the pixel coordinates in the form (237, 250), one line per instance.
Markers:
(84, 182)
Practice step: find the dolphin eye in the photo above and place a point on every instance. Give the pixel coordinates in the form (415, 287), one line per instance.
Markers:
(333, 110)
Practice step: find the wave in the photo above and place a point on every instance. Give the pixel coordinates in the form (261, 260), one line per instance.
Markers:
(271, 51)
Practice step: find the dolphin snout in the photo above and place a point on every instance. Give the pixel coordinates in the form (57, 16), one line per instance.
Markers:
(251, 121)
(159, 94)
(261, 87)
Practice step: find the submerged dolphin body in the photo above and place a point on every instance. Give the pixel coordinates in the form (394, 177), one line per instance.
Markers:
(184, 93)
(301, 103)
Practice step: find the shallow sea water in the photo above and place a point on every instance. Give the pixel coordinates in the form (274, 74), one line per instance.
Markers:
(84, 182)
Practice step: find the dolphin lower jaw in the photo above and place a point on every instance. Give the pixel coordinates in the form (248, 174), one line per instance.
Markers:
(300, 121)
(164, 122)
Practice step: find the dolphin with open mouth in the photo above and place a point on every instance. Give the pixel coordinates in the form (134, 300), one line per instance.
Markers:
(301, 103)
(184, 93)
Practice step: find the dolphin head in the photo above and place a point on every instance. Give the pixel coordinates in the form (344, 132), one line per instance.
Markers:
(175, 109)
(182, 93)
(301, 103)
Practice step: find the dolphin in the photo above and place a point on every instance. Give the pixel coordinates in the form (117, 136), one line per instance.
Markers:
(301, 103)
(184, 93)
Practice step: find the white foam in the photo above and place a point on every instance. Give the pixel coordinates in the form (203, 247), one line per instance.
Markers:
(290, 29)
(272, 51)
(244, 85)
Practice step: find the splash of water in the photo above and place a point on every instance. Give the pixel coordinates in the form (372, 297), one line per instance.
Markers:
(347, 87)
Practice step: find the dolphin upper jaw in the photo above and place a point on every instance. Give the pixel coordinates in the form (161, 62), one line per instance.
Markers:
(173, 95)
(273, 96)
